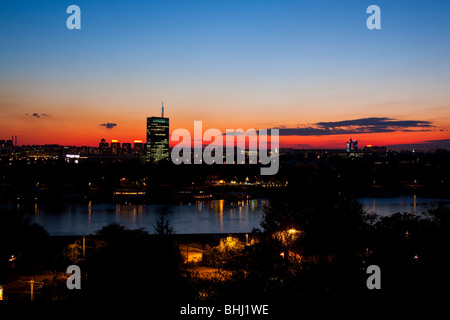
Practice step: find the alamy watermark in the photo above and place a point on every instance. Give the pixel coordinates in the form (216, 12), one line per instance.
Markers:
(257, 152)
(74, 20)
(74, 280)
(374, 21)
(374, 280)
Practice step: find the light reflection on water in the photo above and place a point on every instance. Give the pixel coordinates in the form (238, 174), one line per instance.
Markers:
(411, 204)
(212, 216)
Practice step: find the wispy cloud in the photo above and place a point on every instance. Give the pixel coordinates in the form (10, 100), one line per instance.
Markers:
(357, 126)
(108, 125)
(37, 115)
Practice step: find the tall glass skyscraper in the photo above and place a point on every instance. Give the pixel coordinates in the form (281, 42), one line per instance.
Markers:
(352, 145)
(157, 148)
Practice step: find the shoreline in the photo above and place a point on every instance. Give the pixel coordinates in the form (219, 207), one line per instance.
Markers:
(378, 193)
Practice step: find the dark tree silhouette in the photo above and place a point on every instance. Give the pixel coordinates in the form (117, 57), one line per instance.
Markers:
(28, 243)
(133, 265)
(163, 226)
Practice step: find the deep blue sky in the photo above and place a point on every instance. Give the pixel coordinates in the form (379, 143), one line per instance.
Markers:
(274, 63)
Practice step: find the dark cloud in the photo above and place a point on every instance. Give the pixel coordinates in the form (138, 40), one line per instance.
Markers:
(108, 125)
(415, 130)
(438, 141)
(357, 126)
(376, 123)
(37, 115)
(238, 133)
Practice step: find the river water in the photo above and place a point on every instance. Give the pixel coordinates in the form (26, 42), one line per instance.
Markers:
(216, 216)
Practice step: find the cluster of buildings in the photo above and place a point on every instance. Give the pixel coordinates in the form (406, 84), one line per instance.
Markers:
(6, 147)
(116, 148)
(352, 148)
(154, 149)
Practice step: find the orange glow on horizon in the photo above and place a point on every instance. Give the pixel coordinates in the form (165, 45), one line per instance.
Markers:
(62, 130)
(92, 139)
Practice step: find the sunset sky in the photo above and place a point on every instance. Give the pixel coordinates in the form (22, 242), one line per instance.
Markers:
(310, 68)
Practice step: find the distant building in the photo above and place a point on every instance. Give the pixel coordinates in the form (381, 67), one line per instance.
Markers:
(103, 147)
(374, 149)
(286, 151)
(126, 148)
(352, 145)
(115, 147)
(6, 148)
(138, 147)
(157, 147)
(6, 143)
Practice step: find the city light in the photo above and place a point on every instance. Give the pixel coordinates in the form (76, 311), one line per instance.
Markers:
(287, 237)
(356, 118)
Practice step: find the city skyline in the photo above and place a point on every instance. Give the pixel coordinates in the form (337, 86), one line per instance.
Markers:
(308, 131)
(311, 69)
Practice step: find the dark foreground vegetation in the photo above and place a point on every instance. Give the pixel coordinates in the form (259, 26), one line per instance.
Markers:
(316, 245)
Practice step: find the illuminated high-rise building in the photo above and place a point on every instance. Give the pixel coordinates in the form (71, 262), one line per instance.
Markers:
(157, 147)
(352, 145)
